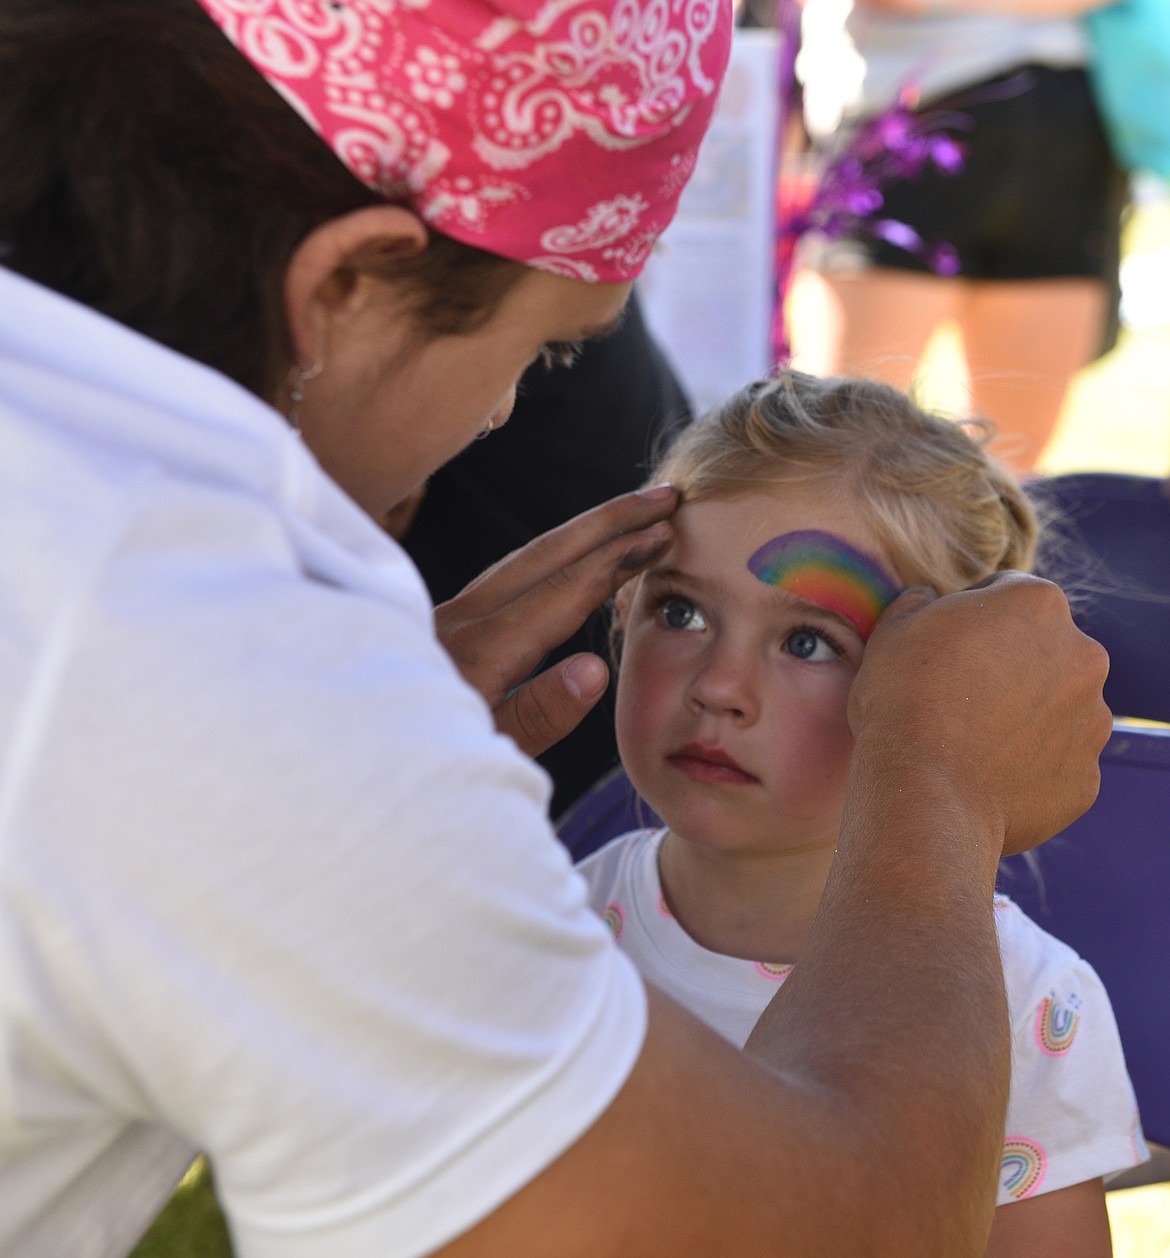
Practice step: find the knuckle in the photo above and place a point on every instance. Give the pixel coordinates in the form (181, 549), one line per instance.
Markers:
(536, 717)
(1099, 657)
(447, 621)
(462, 647)
(581, 587)
(561, 580)
(1027, 586)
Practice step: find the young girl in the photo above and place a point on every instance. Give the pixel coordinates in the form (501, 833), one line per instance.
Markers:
(808, 504)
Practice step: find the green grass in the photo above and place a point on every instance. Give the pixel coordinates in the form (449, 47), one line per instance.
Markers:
(192, 1225)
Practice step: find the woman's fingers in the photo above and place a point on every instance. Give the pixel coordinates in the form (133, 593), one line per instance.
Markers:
(551, 705)
(997, 690)
(497, 651)
(598, 534)
(500, 628)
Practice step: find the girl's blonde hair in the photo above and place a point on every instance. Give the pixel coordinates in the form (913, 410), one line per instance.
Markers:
(945, 510)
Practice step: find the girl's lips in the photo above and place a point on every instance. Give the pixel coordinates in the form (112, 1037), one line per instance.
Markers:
(709, 764)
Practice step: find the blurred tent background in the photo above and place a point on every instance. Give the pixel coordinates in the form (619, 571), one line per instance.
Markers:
(1117, 418)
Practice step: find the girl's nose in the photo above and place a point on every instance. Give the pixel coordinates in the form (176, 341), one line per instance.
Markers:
(725, 685)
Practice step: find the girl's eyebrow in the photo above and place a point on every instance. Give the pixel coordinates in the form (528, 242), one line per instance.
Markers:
(776, 595)
(810, 607)
(691, 581)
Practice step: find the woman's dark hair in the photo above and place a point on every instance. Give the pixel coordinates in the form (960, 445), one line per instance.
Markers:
(152, 173)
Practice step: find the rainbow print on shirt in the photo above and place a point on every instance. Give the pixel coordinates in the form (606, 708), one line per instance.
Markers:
(775, 973)
(1056, 1026)
(823, 569)
(1022, 1170)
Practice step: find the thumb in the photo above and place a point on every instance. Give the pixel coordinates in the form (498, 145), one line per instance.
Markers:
(547, 707)
(909, 603)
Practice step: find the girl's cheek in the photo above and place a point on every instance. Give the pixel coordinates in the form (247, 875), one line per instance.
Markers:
(638, 691)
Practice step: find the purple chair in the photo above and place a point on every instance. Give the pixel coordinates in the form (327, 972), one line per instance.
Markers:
(609, 808)
(1102, 886)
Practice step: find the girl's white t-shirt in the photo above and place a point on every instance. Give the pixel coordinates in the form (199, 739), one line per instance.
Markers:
(1071, 1115)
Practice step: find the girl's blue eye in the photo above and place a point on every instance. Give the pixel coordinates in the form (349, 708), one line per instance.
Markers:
(681, 613)
(808, 644)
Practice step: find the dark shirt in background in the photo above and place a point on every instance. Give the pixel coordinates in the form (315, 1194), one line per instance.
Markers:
(577, 436)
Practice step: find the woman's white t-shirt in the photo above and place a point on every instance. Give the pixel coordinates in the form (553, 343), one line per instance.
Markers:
(271, 886)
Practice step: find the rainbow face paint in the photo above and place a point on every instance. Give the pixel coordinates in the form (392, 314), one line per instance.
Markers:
(823, 569)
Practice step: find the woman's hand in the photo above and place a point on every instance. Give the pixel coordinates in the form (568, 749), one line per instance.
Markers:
(501, 626)
(994, 692)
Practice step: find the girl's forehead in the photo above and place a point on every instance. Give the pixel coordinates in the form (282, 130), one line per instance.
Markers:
(806, 546)
(737, 526)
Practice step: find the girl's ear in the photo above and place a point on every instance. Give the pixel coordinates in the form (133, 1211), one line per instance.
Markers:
(622, 600)
(617, 622)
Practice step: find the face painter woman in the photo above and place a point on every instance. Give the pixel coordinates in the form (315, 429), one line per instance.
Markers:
(276, 879)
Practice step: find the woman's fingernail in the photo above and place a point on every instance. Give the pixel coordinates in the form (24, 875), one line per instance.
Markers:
(915, 594)
(586, 677)
(657, 493)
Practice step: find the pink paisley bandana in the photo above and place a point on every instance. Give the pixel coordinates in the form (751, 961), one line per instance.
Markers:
(558, 133)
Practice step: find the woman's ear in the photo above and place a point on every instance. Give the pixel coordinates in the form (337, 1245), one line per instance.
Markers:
(324, 282)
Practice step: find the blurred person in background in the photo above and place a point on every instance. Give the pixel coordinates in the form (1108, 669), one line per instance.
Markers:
(1033, 215)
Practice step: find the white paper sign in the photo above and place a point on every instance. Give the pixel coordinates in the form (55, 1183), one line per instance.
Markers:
(708, 289)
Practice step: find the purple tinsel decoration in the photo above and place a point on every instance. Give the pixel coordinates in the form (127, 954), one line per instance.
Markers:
(892, 146)
(895, 145)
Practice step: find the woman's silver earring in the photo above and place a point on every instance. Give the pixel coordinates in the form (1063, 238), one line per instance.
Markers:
(298, 377)
(487, 432)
